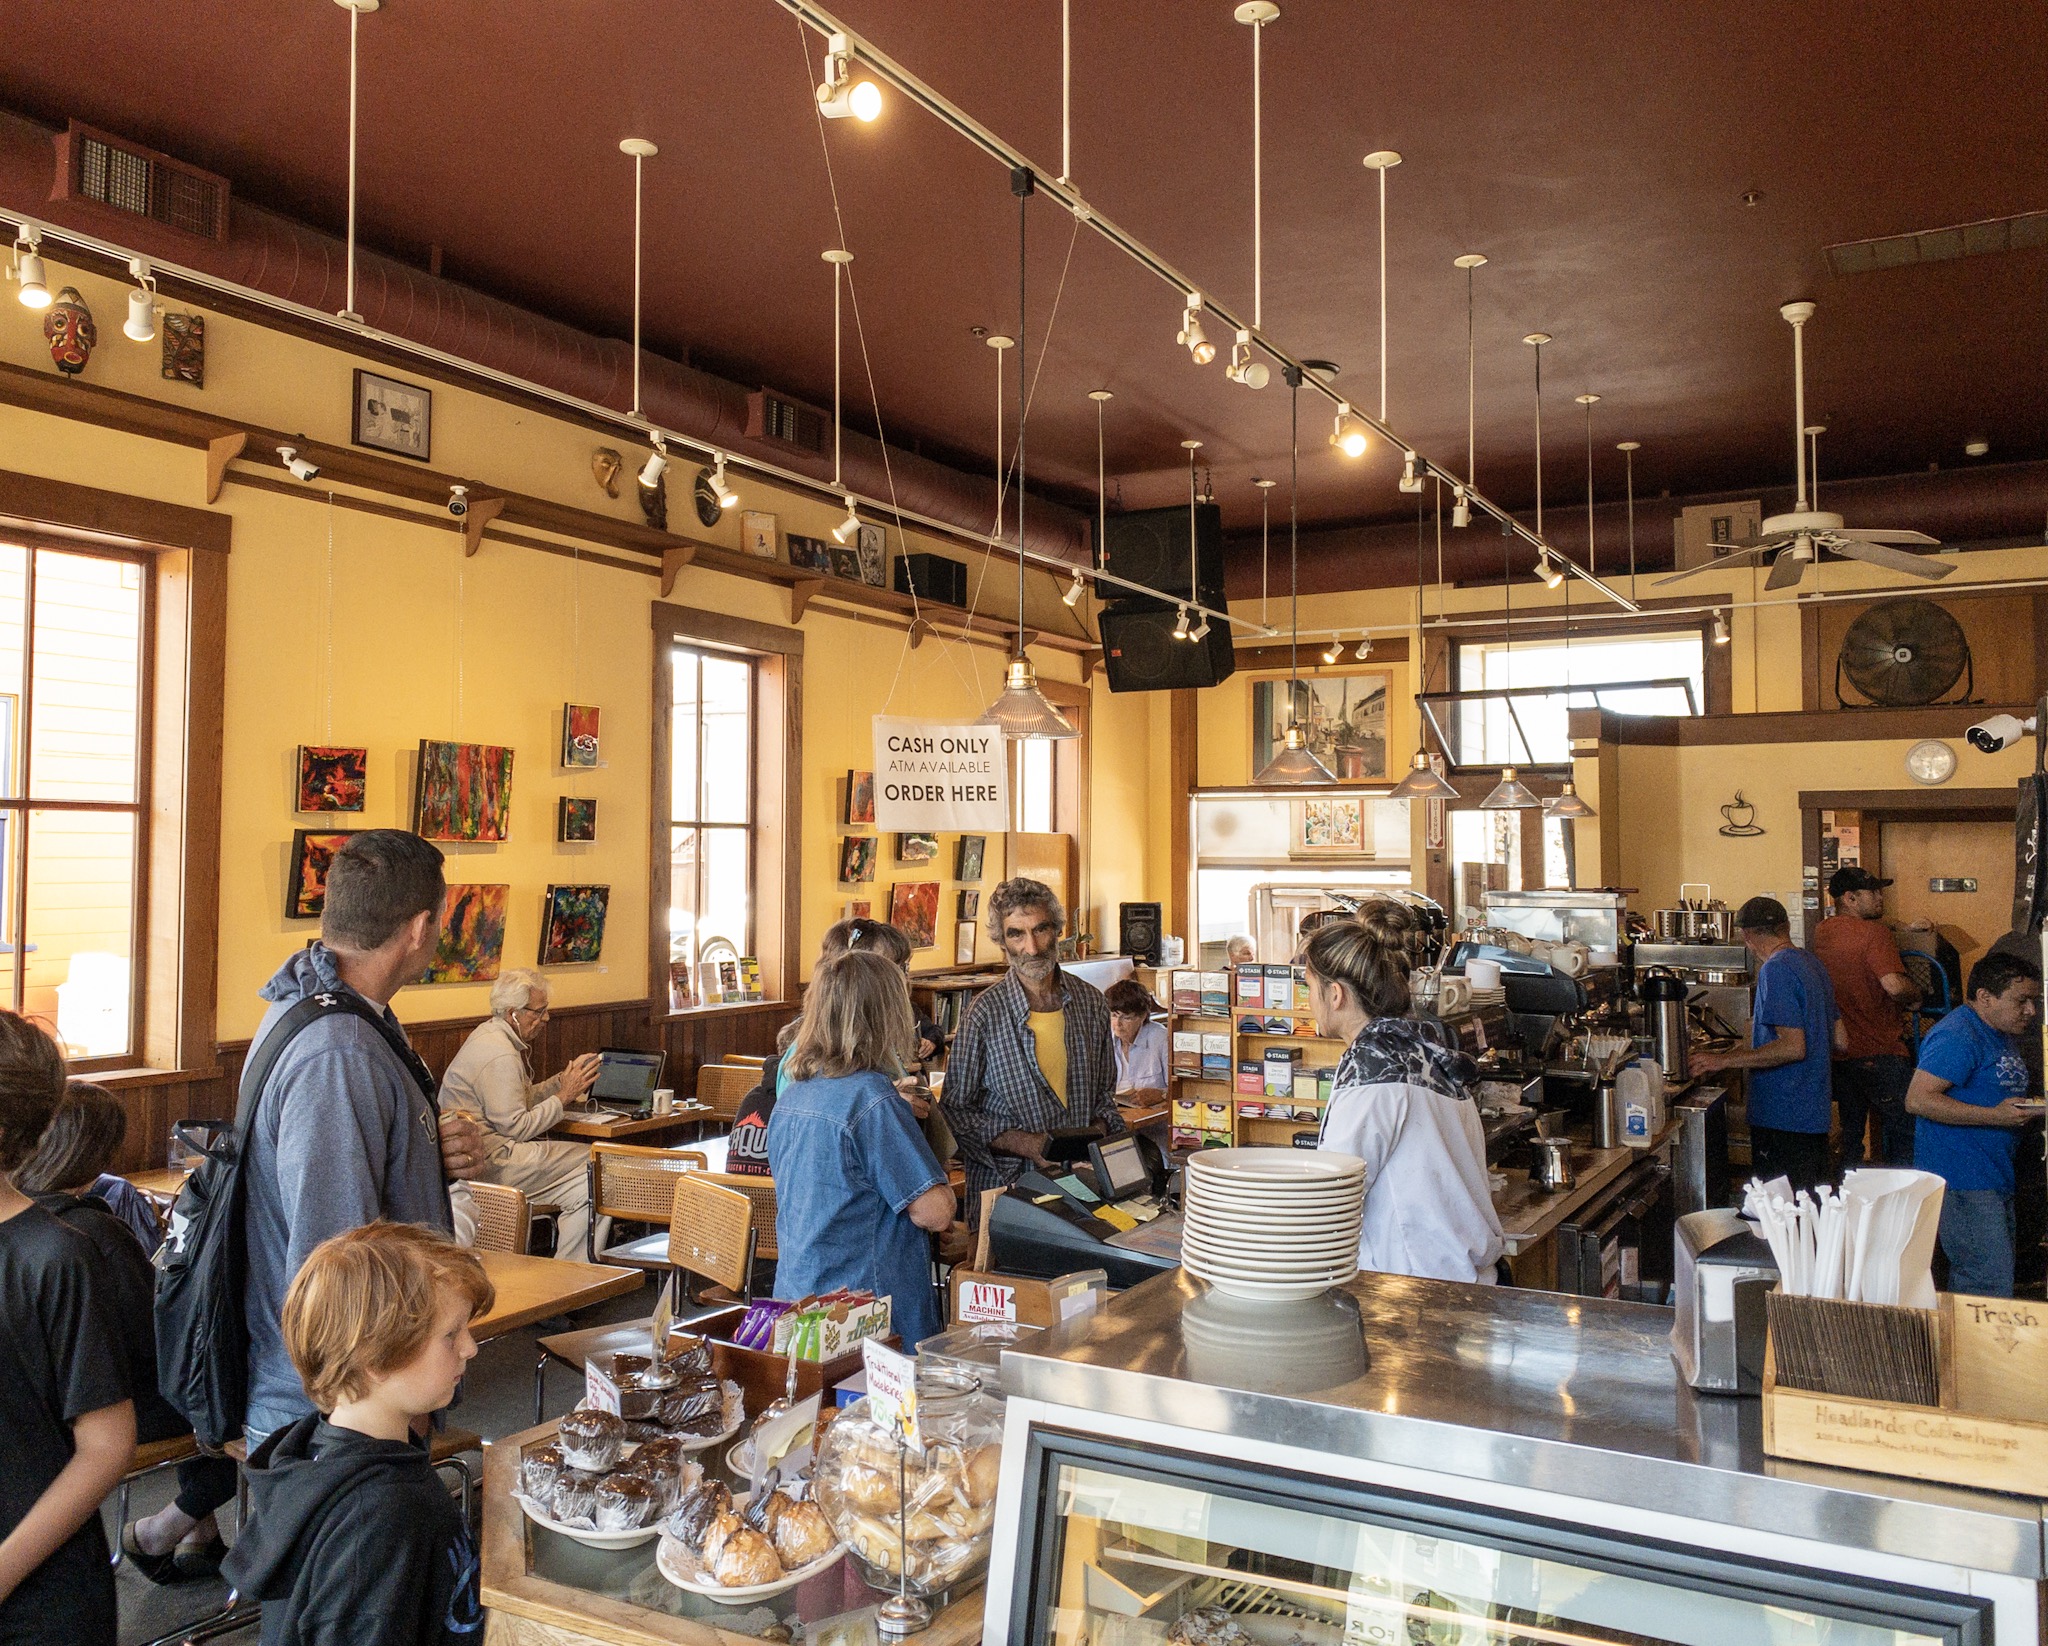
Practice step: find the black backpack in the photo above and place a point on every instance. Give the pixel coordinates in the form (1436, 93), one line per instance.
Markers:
(202, 1332)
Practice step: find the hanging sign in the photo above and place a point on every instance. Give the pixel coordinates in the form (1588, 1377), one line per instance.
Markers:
(933, 775)
(892, 1391)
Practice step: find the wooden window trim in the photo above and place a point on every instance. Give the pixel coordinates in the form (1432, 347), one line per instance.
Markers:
(778, 794)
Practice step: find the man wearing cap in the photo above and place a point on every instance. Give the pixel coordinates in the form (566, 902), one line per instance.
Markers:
(1874, 992)
(1791, 1037)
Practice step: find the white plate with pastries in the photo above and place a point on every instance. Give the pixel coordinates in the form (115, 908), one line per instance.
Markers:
(583, 1534)
(680, 1567)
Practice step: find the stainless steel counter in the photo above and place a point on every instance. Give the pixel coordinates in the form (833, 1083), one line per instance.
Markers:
(1570, 1395)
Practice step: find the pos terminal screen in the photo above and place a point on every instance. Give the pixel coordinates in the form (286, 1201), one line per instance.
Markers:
(1120, 1169)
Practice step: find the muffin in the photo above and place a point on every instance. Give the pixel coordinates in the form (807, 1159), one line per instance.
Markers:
(539, 1470)
(627, 1501)
(801, 1533)
(575, 1497)
(590, 1439)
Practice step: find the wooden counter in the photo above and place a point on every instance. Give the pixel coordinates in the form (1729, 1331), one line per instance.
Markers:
(1529, 1216)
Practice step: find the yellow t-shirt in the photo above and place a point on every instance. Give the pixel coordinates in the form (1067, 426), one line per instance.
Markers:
(1049, 1032)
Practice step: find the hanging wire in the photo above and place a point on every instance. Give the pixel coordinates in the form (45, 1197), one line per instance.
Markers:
(329, 671)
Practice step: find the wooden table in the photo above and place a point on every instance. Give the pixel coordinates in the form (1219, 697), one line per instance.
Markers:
(534, 1288)
(163, 1183)
(587, 1128)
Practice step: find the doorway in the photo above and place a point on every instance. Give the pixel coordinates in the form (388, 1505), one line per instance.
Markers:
(1915, 853)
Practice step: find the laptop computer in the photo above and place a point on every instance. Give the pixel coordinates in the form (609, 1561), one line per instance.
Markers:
(626, 1079)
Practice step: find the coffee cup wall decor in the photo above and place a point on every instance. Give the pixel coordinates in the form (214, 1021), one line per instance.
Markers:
(1740, 819)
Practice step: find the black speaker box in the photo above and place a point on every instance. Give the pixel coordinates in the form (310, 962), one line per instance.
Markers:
(1141, 655)
(1137, 931)
(1151, 547)
(932, 577)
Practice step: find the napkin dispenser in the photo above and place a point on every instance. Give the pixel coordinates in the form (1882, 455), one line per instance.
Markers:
(1723, 1272)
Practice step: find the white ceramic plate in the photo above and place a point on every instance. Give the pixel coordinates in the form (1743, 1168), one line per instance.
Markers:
(1290, 1257)
(1256, 1268)
(582, 1534)
(1271, 1292)
(1294, 1197)
(735, 1410)
(675, 1563)
(1201, 1210)
(739, 1458)
(1268, 1165)
(1327, 1274)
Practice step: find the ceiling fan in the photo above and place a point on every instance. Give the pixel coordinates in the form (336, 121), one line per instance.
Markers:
(1799, 538)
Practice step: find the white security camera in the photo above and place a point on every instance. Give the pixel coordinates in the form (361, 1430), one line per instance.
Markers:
(2001, 731)
(458, 501)
(300, 468)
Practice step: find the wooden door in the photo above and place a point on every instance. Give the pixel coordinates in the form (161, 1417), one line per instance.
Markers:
(1913, 853)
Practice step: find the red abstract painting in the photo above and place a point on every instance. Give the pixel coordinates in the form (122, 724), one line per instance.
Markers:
(332, 779)
(914, 911)
(464, 793)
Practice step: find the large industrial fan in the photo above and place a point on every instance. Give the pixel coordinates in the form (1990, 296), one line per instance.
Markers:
(1904, 653)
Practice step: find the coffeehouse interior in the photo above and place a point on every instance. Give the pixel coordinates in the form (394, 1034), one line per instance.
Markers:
(750, 844)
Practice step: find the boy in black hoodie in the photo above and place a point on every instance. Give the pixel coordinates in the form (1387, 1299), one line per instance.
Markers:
(352, 1540)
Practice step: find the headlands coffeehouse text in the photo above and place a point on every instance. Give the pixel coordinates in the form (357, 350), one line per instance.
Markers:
(934, 775)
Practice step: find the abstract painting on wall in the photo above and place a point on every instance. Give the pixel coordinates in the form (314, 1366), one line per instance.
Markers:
(579, 734)
(917, 848)
(575, 820)
(970, 906)
(465, 792)
(572, 924)
(967, 866)
(332, 779)
(860, 797)
(472, 935)
(914, 911)
(856, 858)
(305, 887)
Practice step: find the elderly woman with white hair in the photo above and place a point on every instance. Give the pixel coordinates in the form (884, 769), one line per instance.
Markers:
(492, 1079)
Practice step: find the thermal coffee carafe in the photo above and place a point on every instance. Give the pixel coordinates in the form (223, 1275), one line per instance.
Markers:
(1662, 993)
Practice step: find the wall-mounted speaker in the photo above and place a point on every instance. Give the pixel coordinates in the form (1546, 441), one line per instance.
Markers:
(1140, 654)
(1151, 547)
(1137, 932)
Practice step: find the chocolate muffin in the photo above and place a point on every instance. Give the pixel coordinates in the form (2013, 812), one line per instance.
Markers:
(539, 1470)
(628, 1501)
(575, 1496)
(590, 1439)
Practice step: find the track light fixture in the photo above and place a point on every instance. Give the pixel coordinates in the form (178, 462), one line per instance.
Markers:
(1075, 589)
(1720, 629)
(1253, 374)
(27, 269)
(1348, 433)
(656, 465)
(1191, 336)
(1201, 630)
(1180, 623)
(300, 469)
(1461, 508)
(1364, 648)
(727, 497)
(839, 93)
(141, 322)
(1334, 650)
(1411, 478)
(1548, 570)
(849, 528)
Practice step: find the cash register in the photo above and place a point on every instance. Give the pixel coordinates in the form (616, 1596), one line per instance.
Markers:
(1105, 1211)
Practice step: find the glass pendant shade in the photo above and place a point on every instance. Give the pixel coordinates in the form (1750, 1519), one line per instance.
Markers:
(1295, 763)
(1422, 783)
(1568, 804)
(1509, 795)
(1022, 709)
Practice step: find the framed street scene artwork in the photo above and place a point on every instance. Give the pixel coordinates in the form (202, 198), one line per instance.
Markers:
(1342, 713)
(390, 416)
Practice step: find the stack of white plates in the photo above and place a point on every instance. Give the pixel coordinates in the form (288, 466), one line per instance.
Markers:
(1272, 1224)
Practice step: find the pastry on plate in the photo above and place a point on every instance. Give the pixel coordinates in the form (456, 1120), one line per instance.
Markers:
(575, 1497)
(724, 1527)
(697, 1510)
(591, 1439)
(746, 1558)
(539, 1470)
(627, 1501)
(801, 1533)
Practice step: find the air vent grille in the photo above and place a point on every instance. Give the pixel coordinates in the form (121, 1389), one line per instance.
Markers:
(771, 416)
(125, 177)
(2026, 232)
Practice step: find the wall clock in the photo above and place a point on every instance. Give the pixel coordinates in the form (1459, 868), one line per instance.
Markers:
(1930, 761)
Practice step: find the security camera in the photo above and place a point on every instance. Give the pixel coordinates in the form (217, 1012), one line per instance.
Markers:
(2001, 731)
(299, 467)
(458, 501)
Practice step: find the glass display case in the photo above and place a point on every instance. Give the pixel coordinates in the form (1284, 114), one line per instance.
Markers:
(1593, 918)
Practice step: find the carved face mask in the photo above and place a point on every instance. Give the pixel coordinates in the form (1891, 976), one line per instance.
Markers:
(70, 331)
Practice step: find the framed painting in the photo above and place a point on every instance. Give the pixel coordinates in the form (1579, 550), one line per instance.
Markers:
(1332, 826)
(579, 734)
(472, 935)
(970, 906)
(757, 534)
(305, 885)
(464, 792)
(860, 797)
(917, 848)
(963, 943)
(572, 925)
(845, 563)
(967, 856)
(858, 908)
(1342, 714)
(914, 911)
(331, 778)
(390, 416)
(575, 820)
(856, 858)
(870, 548)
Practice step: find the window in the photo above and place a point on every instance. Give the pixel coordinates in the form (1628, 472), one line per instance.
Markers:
(1253, 879)
(1637, 673)
(74, 797)
(1032, 779)
(711, 807)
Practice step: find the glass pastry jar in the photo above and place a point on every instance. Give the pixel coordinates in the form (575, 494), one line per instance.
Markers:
(945, 1493)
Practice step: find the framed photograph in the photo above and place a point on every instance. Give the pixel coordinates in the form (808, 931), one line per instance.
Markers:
(757, 534)
(917, 848)
(970, 906)
(914, 911)
(845, 563)
(572, 925)
(858, 908)
(393, 417)
(575, 820)
(464, 792)
(856, 858)
(472, 936)
(809, 554)
(967, 858)
(870, 546)
(1342, 713)
(860, 797)
(963, 943)
(332, 779)
(579, 735)
(305, 884)
(1335, 826)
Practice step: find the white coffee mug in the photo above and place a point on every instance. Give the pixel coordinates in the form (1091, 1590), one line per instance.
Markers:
(1483, 974)
(664, 1100)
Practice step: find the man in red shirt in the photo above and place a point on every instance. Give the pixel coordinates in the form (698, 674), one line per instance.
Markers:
(1874, 992)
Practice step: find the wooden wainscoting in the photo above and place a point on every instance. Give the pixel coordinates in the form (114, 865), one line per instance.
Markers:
(691, 1039)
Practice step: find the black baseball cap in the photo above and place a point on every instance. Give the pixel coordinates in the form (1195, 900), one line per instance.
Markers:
(1762, 914)
(1850, 878)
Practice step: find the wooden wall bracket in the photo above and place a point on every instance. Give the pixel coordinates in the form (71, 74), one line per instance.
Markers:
(672, 563)
(800, 594)
(220, 452)
(482, 511)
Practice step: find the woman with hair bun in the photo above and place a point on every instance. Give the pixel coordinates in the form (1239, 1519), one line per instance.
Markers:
(1403, 1104)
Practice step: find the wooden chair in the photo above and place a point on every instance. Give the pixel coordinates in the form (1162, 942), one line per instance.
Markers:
(744, 1060)
(504, 1220)
(722, 1085)
(711, 1234)
(635, 1184)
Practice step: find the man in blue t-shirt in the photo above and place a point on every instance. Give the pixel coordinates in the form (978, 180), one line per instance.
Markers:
(1792, 1030)
(1967, 1095)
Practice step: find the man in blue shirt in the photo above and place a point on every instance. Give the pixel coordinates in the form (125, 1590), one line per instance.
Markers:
(1967, 1095)
(1792, 1032)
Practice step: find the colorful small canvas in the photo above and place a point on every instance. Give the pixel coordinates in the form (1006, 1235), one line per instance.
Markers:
(968, 863)
(856, 858)
(575, 820)
(472, 935)
(857, 909)
(579, 734)
(970, 905)
(860, 797)
(331, 778)
(914, 911)
(917, 848)
(465, 792)
(305, 889)
(572, 925)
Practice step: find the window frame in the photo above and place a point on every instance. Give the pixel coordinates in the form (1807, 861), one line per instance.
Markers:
(776, 804)
(750, 829)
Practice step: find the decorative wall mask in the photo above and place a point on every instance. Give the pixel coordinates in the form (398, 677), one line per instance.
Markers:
(70, 331)
(185, 349)
(605, 465)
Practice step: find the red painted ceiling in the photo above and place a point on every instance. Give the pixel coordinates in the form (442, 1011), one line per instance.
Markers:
(1598, 155)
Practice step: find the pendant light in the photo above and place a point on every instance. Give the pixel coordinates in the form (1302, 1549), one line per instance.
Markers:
(1461, 510)
(1510, 794)
(1021, 710)
(1421, 781)
(1628, 450)
(1296, 762)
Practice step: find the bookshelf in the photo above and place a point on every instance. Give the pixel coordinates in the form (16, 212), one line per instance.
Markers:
(1236, 1084)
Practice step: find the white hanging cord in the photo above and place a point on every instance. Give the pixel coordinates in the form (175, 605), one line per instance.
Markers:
(641, 150)
(1002, 452)
(1533, 340)
(1592, 552)
(1628, 449)
(1258, 185)
(1265, 532)
(329, 721)
(1383, 296)
(838, 259)
(1101, 399)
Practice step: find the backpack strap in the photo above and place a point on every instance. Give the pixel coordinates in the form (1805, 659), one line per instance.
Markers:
(302, 1015)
